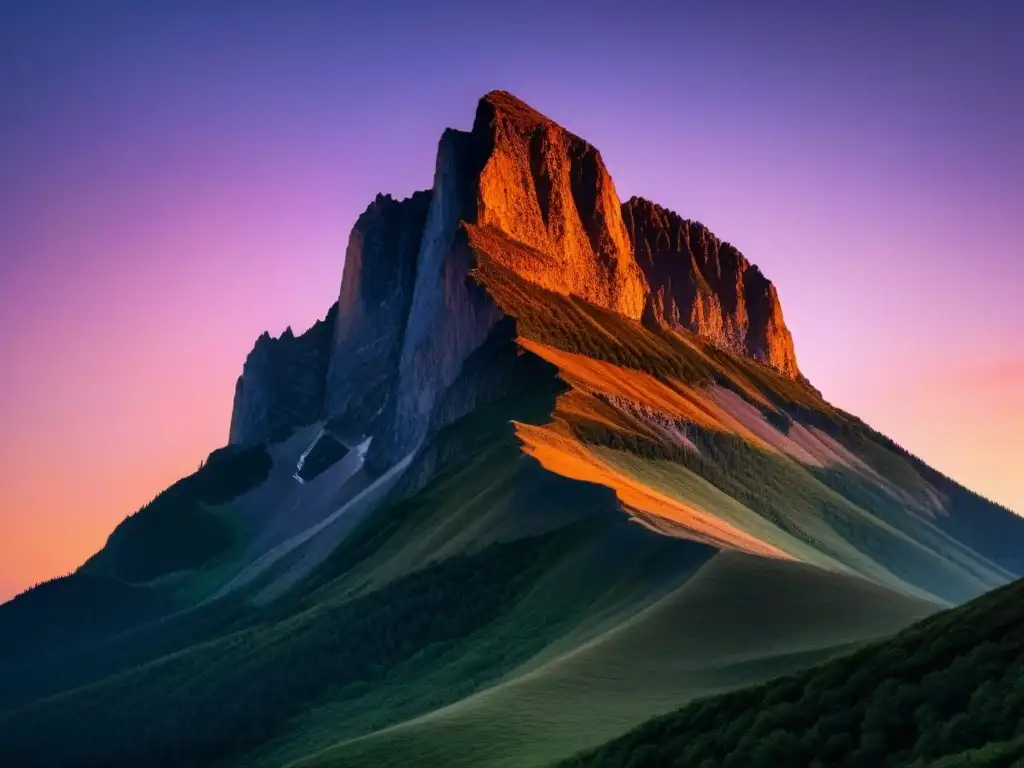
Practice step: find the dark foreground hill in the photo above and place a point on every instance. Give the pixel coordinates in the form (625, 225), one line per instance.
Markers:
(948, 691)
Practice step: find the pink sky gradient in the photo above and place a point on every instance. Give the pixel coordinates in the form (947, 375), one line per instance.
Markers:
(174, 183)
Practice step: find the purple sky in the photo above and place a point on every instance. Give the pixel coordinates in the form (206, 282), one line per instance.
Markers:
(177, 177)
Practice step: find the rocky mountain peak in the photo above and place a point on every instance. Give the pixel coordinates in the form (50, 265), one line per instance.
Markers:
(524, 193)
(705, 285)
(549, 190)
(373, 306)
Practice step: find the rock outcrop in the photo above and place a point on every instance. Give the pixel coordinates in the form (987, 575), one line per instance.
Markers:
(373, 308)
(282, 384)
(705, 285)
(547, 189)
(522, 193)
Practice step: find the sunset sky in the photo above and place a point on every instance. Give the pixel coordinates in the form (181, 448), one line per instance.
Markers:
(176, 179)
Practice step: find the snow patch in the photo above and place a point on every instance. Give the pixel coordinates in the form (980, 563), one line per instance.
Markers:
(302, 459)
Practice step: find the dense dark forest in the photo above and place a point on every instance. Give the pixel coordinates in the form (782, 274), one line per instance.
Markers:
(72, 609)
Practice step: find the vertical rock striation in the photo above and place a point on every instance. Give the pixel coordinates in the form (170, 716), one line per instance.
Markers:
(704, 285)
(373, 308)
(450, 315)
(545, 196)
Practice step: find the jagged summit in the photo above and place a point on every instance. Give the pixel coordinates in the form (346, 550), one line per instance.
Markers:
(511, 107)
(282, 382)
(705, 285)
(543, 187)
(523, 193)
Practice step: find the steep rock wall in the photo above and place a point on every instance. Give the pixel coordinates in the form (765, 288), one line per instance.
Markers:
(373, 308)
(521, 192)
(705, 285)
(450, 315)
(282, 384)
(549, 190)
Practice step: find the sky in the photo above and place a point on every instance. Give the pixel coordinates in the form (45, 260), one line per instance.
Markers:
(177, 177)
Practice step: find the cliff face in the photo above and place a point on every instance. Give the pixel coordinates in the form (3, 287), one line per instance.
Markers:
(373, 308)
(282, 383)
(704, 285)
(521, 192)
(450, 315)
(549, 190)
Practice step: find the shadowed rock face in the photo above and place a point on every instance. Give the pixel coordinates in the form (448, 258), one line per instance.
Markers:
(702, 284)
(282, 383)
(450, 316)
(373, 308)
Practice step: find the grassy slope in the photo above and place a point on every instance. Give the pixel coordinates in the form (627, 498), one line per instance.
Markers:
(740, 619)
(792, 499)
(235, 691)
(125, 584)
(243, 684)
(498, 587)
(948, 691)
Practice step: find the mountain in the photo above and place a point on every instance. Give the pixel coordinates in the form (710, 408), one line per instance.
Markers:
(547, 469)
(525, 194)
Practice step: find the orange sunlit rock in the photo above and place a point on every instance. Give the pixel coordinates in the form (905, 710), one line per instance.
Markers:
(550, 191)
(678, 400)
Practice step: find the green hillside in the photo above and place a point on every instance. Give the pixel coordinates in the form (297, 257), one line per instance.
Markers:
(949, 691)
(118, 588)
(888, 516)
(497, 588)
(177, 531)
(738, 620)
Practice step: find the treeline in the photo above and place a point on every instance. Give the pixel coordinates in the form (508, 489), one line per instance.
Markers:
(225, 696)
(986, 527)
(948, 691)
(764, 483)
